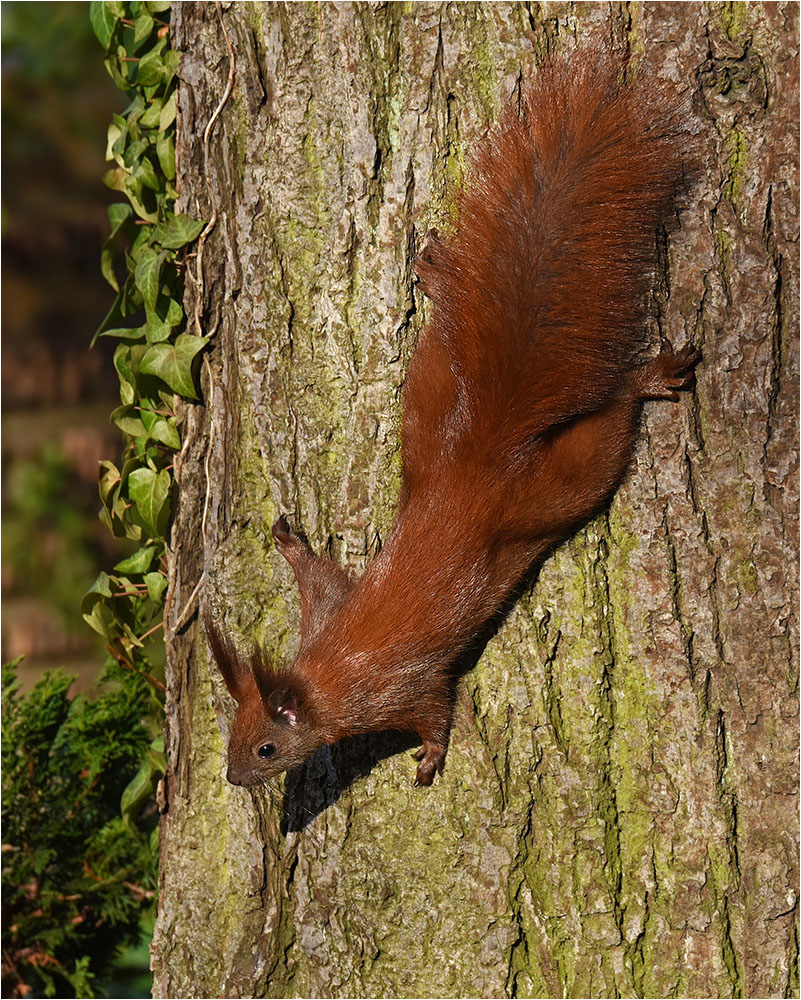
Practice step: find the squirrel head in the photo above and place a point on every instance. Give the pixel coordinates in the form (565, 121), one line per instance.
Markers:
(271, 731)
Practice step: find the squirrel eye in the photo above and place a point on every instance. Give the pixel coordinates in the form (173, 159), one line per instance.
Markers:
(266, 750)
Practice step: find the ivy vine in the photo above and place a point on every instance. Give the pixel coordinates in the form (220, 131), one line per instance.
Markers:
(155, 356)
(79, 884)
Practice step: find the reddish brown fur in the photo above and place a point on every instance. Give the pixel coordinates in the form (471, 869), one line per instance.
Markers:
(521, 406)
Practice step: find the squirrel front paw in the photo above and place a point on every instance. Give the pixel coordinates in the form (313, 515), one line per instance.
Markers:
(286, 538)
(432, 761)
(669, 374)
(427, 263)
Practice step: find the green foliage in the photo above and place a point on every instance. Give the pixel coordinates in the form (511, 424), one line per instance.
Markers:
(76, 873)
(155, 358)
(79, 815)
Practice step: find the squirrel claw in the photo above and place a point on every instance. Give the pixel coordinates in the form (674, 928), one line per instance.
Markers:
(285, 535)
(668, 374)
(432, 762)
(282, 532)
(427, 262)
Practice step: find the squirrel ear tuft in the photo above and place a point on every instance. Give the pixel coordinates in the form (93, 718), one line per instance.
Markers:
(236, 674)
(284, 705)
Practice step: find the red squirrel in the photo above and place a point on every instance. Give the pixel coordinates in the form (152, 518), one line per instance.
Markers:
(521, 408)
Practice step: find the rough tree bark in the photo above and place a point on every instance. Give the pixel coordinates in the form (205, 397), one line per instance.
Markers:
(618, 815)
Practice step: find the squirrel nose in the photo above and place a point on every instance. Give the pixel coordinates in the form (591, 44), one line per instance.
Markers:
(232, 777)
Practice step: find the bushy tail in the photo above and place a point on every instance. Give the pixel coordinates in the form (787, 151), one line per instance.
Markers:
(540, 293)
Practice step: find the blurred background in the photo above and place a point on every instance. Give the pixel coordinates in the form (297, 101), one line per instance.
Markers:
(57, 102)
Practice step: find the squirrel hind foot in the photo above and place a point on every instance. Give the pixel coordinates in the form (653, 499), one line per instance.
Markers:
(668, 374)
(432, 762)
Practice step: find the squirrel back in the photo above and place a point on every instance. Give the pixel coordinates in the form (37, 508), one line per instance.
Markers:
(520, 413)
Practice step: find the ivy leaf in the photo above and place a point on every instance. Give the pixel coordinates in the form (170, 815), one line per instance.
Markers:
(125, 333)
(142, 27)
(117, 69)
(148, 276)
(152, 116)
(174, 313)
(103, 18)
(134, 152)
(166, 432)
(118, 213)
(117, 520)
(145, 173)
(127, 374)
(108, 480)
(151, 69)
(118, 179)
(134, 114)
(150, 493)
(139, 562)
(116, 131)
(140, 789)
(178, 231)
(128, 420)
(127, 359)
(96, 612)
(156, 584)
(142, 239)
(157, 328)
(101, 619)
(167, 116)
(118, 217)
(165, 150)
(147, 416)
(131, 297)
(114, 526)
(128, 467)
(173, 363)
(131, 636)
(101, 587)
(171, 61)
(118, 138)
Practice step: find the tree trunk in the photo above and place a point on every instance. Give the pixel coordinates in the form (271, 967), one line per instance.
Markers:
(618, 814)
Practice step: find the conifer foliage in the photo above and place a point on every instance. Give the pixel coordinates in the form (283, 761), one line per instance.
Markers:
(76, 871)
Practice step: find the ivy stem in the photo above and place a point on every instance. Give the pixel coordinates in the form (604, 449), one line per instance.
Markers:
(138, 892)
(150, 631)
(206, 155)
(160, 413)
(127, 665)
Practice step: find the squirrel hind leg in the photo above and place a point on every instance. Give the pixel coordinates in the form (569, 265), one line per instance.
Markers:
(433, 728)
(668, 374)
